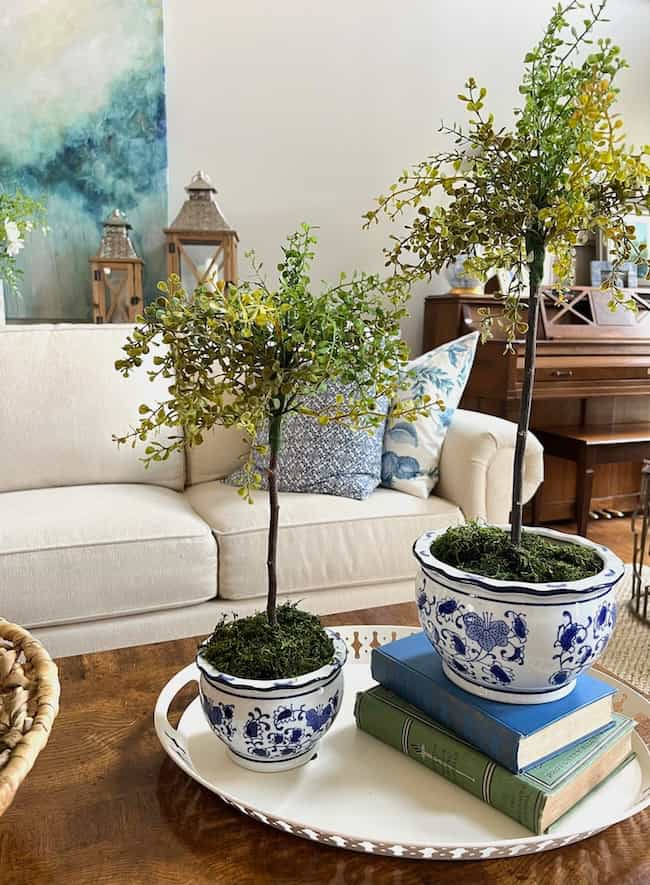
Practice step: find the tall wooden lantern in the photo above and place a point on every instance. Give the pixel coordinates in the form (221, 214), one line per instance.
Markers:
(116, 274)
(201, 245)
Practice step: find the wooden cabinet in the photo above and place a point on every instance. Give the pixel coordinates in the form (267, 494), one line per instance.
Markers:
(591, 379)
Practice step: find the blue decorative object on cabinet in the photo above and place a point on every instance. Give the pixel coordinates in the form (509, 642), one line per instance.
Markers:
(460, 281)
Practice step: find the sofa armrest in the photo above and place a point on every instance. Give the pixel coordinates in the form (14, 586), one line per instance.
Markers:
(476, 466)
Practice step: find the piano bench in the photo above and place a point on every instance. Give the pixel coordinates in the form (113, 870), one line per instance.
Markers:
(589, 446)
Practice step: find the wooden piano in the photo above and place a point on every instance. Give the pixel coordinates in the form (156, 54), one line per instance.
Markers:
(593, 369)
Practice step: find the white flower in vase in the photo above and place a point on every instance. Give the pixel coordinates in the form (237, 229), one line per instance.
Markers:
(14, 240)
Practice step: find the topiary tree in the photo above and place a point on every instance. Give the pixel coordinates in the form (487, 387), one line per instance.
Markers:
(246, 356)
(510, 194)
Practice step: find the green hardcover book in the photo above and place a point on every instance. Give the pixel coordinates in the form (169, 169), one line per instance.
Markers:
(535, 798)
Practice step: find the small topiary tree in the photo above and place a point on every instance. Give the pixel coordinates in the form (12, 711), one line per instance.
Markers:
(246, 356)
(510, 194)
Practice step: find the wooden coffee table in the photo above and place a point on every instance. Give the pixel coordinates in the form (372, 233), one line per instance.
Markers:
(104, 805)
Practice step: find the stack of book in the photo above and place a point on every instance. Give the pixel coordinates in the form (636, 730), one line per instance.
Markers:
(532, 762)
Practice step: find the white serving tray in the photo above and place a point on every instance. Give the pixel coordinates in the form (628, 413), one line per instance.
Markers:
(363, 796)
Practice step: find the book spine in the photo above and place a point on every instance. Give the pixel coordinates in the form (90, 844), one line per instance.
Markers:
(491, 737)
(452, 759)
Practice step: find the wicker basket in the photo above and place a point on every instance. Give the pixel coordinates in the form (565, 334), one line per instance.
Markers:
(29, 702)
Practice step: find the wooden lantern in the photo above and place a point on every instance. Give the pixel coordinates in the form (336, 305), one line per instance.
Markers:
(201, 245)
(116, 274)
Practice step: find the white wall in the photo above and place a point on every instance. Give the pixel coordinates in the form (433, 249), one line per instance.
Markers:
(305, 110)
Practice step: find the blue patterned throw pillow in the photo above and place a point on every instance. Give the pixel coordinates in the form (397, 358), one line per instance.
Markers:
(412, 450)
(328, 459)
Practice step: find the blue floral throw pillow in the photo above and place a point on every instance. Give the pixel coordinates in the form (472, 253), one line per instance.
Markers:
(412, 450)
(328, 459)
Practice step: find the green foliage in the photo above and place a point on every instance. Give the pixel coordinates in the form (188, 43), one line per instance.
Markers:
(19, 214)
(507, 195)
(242, 356)
(488, 551)
(510, 194)
(239, 356)
(252, 649)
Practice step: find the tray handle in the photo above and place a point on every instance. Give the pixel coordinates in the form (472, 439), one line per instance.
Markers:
(169, 736)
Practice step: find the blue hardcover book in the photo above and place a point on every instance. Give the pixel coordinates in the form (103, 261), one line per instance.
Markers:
(515, 735)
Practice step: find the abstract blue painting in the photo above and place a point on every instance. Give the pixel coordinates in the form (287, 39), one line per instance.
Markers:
(83, 126)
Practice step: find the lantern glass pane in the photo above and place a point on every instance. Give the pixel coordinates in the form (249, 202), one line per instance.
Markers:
(117, 294)
(199, 262)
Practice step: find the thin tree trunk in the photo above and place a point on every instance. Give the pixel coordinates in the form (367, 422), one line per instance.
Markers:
(536, 269)
(272, 547)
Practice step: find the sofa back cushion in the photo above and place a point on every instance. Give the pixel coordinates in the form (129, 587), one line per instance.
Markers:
(61, 400)
(221, 452)
(333, 459)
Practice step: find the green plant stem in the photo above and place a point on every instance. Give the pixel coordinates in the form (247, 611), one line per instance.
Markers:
(535, 247)
(275, 441)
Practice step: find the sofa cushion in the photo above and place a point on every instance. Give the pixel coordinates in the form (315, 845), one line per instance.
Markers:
(330, 459)
(221, 452)
(62, 401)
(325, 541)
(411, 458)
(87, 552)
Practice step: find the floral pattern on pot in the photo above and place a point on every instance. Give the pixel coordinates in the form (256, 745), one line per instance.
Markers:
(515, 641)
(273, 725)
(578, 645)
(483, 647)
(288, 730)
(220, 717)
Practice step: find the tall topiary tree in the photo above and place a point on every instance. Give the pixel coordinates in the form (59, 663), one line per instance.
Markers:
(507, 195)
(247, 356)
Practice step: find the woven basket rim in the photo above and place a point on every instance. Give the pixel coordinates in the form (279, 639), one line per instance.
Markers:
(47, 692)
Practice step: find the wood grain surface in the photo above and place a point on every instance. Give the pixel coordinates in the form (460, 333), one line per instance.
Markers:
(105, 806)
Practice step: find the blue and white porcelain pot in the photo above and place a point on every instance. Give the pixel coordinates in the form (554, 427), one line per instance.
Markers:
(460, 281)
(514, 641)
(273, 725)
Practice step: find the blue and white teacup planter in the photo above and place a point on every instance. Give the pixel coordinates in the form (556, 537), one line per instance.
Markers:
(514, 641)
(275, 724)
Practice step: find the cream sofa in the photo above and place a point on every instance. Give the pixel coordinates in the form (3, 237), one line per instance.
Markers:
(97, 552)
